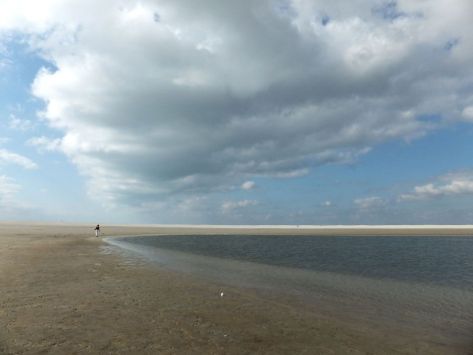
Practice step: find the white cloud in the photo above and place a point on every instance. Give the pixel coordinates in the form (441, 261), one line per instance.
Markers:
(327, 203)
(230, 206)
(468, 113)
(369, 202)
(448, 185)
(45, 144)
(291, 174)
(20, 124)
(248, 185)
(157, 97)
(17, 159)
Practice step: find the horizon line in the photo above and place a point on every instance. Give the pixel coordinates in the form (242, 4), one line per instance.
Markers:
(255, 226)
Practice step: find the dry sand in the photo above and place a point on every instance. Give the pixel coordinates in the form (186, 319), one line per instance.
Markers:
(61, 294)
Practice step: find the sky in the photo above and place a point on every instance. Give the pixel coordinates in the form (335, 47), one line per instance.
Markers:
(236, 112)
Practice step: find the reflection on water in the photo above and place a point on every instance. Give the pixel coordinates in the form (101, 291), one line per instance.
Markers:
(411, 283)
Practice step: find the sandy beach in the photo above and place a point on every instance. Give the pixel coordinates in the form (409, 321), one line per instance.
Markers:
(61, 293)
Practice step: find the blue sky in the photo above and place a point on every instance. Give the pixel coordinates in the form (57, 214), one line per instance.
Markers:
(272, 112)
(54, 179)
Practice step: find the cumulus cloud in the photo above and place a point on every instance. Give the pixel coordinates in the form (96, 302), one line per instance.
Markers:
(160, 97)
(468, 113)
(291, 173)
(369, 202)
(230, 206)
(45, 144)
(451, 184)
(20, 124)
(13, 158)
(248, 185)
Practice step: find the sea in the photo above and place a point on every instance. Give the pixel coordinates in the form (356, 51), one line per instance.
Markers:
(412, 284)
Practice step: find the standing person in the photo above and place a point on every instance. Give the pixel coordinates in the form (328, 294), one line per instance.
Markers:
(97, 230)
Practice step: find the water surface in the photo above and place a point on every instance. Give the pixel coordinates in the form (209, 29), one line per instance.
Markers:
(412, 284)
(433, 260)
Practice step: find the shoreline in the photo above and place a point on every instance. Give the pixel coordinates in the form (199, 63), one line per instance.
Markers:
(63, 293)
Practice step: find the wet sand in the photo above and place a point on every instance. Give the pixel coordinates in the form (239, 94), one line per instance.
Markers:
(62, 294)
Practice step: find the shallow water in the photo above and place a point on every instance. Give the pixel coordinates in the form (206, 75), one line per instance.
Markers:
(434, 260)
(413, 284)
